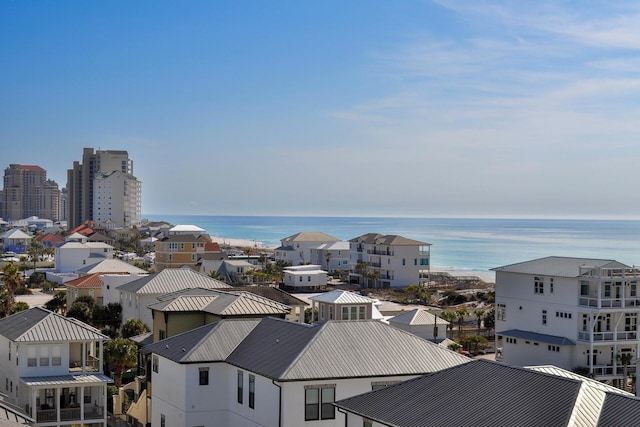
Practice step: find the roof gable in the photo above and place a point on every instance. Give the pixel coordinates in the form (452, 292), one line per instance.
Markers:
(41, 325)
(309, 237)
(341, 297)
(504, 395)
(209, 343)
(289, 351)
(171, 280)
(558, 266)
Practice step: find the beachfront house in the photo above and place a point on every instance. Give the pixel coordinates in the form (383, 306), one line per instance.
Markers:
(272, 372)
(52, 368)
(504, 396)
(388, 261)
(304, 277)
(571, 313)
(332, 257)
(296, 249)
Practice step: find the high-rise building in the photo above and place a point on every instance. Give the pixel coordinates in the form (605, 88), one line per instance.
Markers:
(116, 199)
(80, 182)
(27, 192)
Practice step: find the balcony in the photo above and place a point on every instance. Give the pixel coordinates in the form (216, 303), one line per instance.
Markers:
(69, 414)
(608, 336)
(386, 252)
(629, 302)
(92, 365)
(612, 371)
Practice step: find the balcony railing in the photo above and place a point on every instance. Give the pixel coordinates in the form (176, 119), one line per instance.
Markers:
(630, 302)
(387, 252)
(69, 414)
(608, 370)
(92, 364)
(608, 336)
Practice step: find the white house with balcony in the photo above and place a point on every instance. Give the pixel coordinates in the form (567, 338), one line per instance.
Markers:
(52, 368)
(388, 261)
(272, 372)
(296, 249)
(571, 313)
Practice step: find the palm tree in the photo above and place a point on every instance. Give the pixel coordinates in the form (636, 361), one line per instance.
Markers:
(460, 314)
(58, 304)
(35, 250)
(121, 353)
(133, 327)
(625, 359)
(450, 317)
(479, 315)
(11, 278)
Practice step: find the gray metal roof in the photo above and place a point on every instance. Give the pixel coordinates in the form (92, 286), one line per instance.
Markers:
(619, 411)
(288, 351)
(38, 324)
(111, 265)
(480, 393)
(209, 343)
(274, 294)
(534, 336)
(310, 236)
(171, 280)
(219, 302)
(10, 417)
(69, 380)
(417, 317)
(388, 240)
(339, 296)
(558, 266)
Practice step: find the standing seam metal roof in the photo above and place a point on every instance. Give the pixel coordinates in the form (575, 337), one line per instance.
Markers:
(38, 324)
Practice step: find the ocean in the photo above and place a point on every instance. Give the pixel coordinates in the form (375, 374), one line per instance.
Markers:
(458, 244)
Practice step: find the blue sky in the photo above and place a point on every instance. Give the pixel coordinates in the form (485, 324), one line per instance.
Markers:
(376, 108)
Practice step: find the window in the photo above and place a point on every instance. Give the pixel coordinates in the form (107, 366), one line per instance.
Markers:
(607, 290)
(32, 356)
(163, 421)
(44, 356)
(377, 385)
(9, 351)
(403, 261)
(330, 312)
(551, 285)
(203, 374)
(367, 423)
(240, 385)
(501, 312)
(318, 402)
(322, 311)
(632, 290)
(544, 317)
(162, 334)
(538, 285)
(154, 364)
(584, 289)
(252, 391)
(424, 261)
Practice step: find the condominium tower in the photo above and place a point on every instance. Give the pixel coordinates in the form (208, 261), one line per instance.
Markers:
(93, 191)
(27, 192)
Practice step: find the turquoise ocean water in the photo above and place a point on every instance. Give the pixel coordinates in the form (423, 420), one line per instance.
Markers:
(463, 244)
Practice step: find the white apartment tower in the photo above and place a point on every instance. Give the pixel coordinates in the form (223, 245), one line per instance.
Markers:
(574, 313)
(116, 200)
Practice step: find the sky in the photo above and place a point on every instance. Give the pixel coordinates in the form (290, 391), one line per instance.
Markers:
(439, 108)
